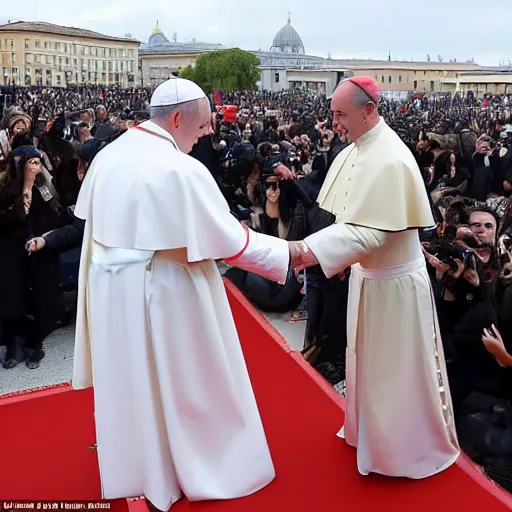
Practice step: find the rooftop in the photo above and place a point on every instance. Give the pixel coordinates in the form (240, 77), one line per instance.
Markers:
(50, 28)
(172, 47)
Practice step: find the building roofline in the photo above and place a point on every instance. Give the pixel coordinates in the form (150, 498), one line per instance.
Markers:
(61, 30)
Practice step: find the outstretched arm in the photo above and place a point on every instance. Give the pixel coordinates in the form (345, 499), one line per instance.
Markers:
(337, 247)
(264, 255)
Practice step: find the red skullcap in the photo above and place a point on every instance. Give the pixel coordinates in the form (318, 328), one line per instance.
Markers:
(368, 84)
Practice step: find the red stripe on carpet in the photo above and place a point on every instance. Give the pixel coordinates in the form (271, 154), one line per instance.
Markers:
(47, 438)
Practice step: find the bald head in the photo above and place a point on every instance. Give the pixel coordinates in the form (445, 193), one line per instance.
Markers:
(355, 107)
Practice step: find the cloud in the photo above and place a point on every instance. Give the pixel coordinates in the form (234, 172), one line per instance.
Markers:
(408, 30)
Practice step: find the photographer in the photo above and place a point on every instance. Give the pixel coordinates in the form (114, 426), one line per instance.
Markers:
(487, 175)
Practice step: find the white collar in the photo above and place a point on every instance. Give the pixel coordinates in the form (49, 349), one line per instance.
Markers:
(370, 135)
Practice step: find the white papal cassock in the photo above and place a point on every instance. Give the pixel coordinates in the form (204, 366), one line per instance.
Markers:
(399, 413)
(174, 407)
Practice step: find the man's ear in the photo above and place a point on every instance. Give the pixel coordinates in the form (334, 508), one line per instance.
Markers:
(176, 119)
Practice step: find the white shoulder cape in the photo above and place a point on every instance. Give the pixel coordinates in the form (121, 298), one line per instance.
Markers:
(143, 193)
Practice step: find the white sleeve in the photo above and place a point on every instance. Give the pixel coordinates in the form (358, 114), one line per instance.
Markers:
(264, 255)
(341, 245)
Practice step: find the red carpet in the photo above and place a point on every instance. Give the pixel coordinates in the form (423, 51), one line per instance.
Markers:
(316, 471)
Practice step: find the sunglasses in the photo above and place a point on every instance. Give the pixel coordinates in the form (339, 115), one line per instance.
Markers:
(273, 185)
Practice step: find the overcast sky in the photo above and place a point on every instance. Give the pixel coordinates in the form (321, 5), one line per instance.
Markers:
(459, 29)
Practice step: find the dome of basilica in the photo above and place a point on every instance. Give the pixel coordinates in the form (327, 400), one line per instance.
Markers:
(157, 37)
(287, 40)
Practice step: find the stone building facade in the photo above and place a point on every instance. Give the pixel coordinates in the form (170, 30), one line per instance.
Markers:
(52, 55)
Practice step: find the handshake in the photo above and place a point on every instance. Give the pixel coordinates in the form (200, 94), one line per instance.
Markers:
(301, 256)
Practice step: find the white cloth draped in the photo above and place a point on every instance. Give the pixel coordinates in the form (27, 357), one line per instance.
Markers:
(174, 407)
(399, 413)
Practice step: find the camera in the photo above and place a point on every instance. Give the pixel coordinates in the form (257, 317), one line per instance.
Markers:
(447, 252)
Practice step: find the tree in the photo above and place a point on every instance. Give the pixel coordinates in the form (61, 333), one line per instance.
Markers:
(187, 73)
(224, 70)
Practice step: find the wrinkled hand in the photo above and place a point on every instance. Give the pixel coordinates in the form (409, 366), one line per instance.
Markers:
(301, 256)
(35, 244)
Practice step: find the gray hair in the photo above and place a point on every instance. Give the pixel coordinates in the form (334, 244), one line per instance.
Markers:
(187, 109)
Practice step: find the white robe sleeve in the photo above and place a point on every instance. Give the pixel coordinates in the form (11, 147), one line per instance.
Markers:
(341, 245)
(264, 255)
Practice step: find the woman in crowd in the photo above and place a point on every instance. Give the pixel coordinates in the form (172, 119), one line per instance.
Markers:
(29, 206)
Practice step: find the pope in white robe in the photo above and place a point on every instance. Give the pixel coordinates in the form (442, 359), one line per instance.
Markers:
(174, 407)
(399, 412)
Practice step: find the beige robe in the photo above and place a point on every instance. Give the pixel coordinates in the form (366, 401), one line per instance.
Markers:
(174, 407)
(399, 413)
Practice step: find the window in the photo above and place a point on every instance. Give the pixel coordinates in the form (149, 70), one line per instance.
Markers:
(400, 78)
(38, 59)
(67, 61)
(276, 78)
(49, 59)
(57, 46)
(432, 85)
(75, 62)
(415, 85)
(46, 45)
(390, 79)
(14, 71)
(59, 79)
(382, 79)
(28, 58)
(27, 44)
(87, 50)
(10, 43)
(110, 66)
(94, 50)
(28, 71)
(13, 58)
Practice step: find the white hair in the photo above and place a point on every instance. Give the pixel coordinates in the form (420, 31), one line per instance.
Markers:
(188, 108)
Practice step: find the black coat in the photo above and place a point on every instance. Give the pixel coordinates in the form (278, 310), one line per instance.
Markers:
(29, 283)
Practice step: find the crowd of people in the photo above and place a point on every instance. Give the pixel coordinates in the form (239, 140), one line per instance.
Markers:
(270, 157)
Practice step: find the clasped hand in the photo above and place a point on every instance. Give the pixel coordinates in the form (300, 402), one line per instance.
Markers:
(301, 257)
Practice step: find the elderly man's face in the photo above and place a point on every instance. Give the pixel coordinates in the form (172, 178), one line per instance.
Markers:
(483, 226)
(189, 128)
(348, 119)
